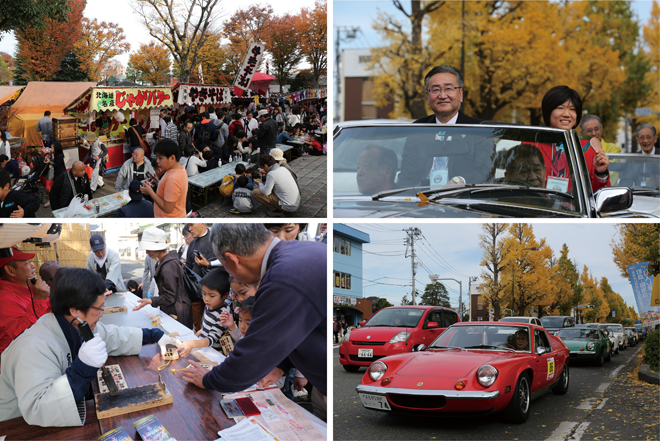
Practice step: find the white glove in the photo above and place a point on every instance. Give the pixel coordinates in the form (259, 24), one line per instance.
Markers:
(93, 352)
(167, 340)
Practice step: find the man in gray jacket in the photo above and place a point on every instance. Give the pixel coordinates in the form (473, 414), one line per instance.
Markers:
(134, 168)
(279, 191)
(45, 127)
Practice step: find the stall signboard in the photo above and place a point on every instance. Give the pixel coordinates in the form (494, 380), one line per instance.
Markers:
(344, 300)
(203, 94)
(130, 99)
(249, 67)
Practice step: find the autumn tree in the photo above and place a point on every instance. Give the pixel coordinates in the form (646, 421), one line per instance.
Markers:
(99, 43)
(435, 294)
(152, 61)
(41, 51)
(593, 295)
(32, 14)
(181, 26)
(244, 27)
(559, 302)
(283, 43)
(651, 33)
(9, 60)
(133, 74)
(303, 80)
(615, 302)
(492, 242)
(312, 29)
(213, 58)
(403, 61)
(566, 272)
(527, 276)
(637, 243)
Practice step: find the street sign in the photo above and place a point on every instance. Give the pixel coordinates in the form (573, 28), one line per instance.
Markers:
(613, 313)
(643, 111)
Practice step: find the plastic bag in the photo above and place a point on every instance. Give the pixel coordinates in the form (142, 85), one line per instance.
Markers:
(76, 209)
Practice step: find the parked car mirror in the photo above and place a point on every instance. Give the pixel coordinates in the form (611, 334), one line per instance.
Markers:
(541, 350)
(609, 200)
(362, 323)
(419, 348)
(431, 325)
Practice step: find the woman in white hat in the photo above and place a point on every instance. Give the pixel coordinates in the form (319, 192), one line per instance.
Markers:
(172, 295)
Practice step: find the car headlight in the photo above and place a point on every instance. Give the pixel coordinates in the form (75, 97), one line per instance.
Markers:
(590, 346)
(377, 370)
(486, 375)
(400, 337)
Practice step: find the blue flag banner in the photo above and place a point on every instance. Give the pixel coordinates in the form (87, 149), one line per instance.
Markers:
(642, 285)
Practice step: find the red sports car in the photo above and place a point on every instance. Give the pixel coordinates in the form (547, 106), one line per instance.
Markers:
(473, 367)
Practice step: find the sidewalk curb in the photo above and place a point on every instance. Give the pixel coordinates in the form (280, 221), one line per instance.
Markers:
(645, 374)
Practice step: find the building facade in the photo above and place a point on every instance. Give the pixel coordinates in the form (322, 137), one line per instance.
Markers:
(349, 305)
(358, 100)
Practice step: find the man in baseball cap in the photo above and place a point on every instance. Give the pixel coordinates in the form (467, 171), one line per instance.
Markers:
(23, 298)
(137, 207)
(105, 262)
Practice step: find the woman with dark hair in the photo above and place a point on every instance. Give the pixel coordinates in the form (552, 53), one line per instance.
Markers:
(5, 149)
(47, 370)
(288, 232)
(58, 159)
(562, 109)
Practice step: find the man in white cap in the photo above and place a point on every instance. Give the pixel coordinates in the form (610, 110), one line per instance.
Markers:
(278, 156)
(105, 262)
(18, 286)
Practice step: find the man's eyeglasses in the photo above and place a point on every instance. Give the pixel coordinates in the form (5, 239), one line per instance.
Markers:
(644, 137)
(436, 90)
(100, 309)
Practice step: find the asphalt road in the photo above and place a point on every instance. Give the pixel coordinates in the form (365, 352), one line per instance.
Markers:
(601, 404)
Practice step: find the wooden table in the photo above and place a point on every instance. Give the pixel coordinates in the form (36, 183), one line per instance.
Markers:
(194, 414)
(210, 179)
(108, 205)
(17, 428)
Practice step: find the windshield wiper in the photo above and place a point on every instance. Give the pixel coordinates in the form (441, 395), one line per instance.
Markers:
(487, 188)
(384, 194)
(489, 346)
(445, 347)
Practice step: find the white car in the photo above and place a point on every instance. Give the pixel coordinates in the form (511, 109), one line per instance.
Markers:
(531, 320)
(617, 330)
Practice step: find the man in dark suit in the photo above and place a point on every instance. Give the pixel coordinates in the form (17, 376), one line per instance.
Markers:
(469, 160)
(15, 204)
(643, 172)
(67, 185)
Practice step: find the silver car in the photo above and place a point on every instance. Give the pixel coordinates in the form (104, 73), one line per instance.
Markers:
(617, 330)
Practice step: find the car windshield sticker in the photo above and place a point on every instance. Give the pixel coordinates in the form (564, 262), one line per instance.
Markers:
(557, 183)
(551, 368)
(439, 174)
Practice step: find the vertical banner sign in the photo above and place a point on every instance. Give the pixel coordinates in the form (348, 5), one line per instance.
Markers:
(250, 63)
(643, 289)
(201, 76)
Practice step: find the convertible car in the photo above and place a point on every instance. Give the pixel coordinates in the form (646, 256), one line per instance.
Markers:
(471, 369)
(587, 344)
(487, 170)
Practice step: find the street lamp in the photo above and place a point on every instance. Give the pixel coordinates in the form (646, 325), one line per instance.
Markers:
(434, 278)
(513, 281)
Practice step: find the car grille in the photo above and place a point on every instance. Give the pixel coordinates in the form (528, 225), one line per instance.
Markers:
(368, 343)
(374, 358)
(418, 401)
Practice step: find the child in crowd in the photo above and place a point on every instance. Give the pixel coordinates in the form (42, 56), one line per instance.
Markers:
(215, 290)
(170, 197)
(240, 292)
(133, 287)
(242, 197)
(239, 171)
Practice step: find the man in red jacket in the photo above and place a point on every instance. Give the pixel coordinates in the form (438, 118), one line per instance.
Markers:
(21, 301)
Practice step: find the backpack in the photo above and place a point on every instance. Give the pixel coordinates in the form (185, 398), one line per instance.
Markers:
(219, 140)
(227, 186)
(204, 134)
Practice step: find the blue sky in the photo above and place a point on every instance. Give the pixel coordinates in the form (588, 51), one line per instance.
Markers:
(361, 14)
(458, 245)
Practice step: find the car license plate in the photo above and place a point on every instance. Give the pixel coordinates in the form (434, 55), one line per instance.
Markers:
(375, 402)
(365, 353)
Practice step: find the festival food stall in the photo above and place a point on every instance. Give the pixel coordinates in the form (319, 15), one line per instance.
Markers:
(142, 103)
(29, 108)
(201, 95)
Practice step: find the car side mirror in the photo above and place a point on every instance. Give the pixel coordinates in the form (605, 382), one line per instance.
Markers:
(431, 325)
(541, 350)
(362, 323)
(611, 199)
(419, 348)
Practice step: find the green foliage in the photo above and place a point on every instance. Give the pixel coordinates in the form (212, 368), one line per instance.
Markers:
(132, 74)
(404, 300)
(652, 350)
(70, 69)
(21, 14)
(380, 304)
(435, 294)
(302, 81)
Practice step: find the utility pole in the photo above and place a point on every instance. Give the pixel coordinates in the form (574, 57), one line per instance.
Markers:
(412, 233)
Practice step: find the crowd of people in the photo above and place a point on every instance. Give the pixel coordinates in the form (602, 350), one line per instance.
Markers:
(185, 144)
(245, 275)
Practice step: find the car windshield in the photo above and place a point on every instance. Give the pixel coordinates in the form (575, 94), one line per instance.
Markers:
(520, 165)
(486, 337)
(569, 333)
(552, 322)
(515, 320)
(613, 328)
(639, 172)
(397, 317)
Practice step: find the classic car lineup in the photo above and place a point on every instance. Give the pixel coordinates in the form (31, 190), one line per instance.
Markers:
(469, 367)
(421, 170)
